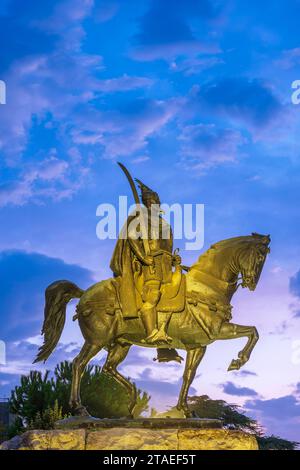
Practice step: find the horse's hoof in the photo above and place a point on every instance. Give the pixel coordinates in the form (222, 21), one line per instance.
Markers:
(81, 411)
(185, 412)
(234, 365)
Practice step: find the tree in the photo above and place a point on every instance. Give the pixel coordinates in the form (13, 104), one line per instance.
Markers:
(34, 395)
(39, 398)
(233, 418)
(276, 443)
(218, 409)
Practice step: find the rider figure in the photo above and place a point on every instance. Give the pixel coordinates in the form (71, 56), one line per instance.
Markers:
(155, 265)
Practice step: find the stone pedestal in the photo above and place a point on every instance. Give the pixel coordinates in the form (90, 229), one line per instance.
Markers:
(140, 434)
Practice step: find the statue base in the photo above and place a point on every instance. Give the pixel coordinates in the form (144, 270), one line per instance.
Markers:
(78, 433)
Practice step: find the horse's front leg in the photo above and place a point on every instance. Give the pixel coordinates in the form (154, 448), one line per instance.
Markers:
(193, 359)
(232, 331)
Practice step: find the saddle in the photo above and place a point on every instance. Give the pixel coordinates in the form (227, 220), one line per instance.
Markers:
(173, 293)
(105, 296)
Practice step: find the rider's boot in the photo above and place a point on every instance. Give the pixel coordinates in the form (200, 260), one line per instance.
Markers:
(154, 335)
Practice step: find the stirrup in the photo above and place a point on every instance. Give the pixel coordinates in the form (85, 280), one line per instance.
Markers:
(167, 355)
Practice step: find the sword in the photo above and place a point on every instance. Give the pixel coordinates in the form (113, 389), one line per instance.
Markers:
(138, 203)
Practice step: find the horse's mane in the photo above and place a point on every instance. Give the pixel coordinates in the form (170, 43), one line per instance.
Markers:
(234, 241)
(231, 241)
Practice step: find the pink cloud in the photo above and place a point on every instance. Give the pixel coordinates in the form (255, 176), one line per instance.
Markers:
(123, 132)
(172, 50)
(206, 145)
(39, 180)
(289, 59)
(123, 83)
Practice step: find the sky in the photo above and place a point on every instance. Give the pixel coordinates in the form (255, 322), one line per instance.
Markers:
(195, 98)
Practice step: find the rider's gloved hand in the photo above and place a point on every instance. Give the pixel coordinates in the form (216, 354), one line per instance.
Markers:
(176, 260)
(149, 260)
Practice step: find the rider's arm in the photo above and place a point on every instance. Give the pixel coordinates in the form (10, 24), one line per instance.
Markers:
(135, 246)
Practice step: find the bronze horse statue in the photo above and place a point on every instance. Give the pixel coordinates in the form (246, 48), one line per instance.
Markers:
(210, 285)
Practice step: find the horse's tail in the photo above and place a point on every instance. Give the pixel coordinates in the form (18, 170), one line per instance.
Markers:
(57, 296)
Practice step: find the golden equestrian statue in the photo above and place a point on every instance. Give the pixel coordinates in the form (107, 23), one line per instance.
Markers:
(150, 302)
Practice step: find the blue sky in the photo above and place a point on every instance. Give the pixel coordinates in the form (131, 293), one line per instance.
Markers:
(196, 100)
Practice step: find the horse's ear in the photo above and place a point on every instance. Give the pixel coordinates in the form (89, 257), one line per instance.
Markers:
(266, 239)
(256, 235)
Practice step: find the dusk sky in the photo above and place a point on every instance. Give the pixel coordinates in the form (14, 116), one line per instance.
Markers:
(195, 97)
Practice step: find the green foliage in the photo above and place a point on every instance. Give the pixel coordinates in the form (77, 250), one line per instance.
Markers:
(40, 400)
(204, 407)
(232, 418)
(32, 396)
(276, 443)
(16, 428)
(47, 418)
(3, 432)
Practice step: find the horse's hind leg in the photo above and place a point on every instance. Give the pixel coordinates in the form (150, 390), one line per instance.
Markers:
(193, 359)
(116, 355)
(87, 352)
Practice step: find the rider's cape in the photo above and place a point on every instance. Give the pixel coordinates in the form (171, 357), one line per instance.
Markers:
(122, 266)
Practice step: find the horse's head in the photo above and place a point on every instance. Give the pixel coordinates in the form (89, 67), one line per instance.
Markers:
(251, 259)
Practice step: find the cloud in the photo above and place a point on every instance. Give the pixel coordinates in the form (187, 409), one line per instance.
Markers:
(232, 389)
(106, 10)
(65, 21)
(54, 89)
(20, 355)
(123, 83)
(49, 178)
(125, 130)
(7, 383)
(47, 79)
(140, 159)
(206, 145)
(23, 279)
(39, 86)
(247, 100)
(289, 59)
(295, 284)
(195, 65)
(280, 416)
(280, 329)
(245, 373)
(19, 16)
(282, 408)
(295, 290)
(165, 32)
(153, 386)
